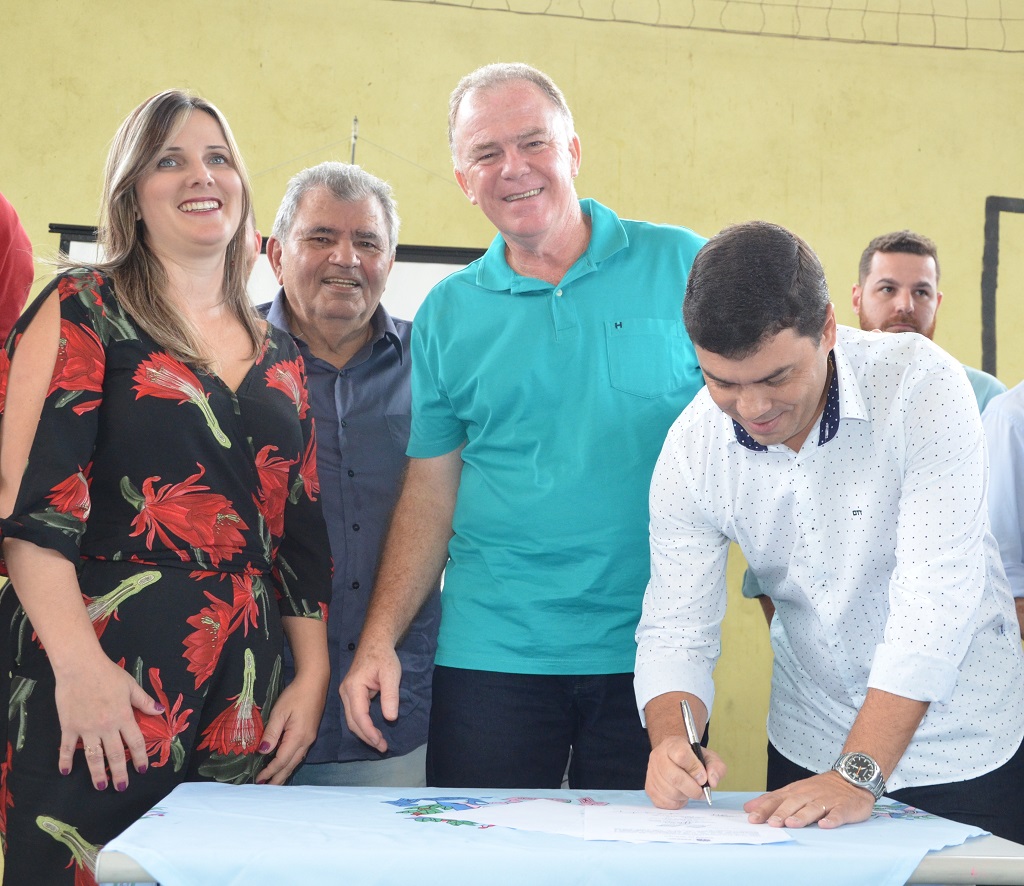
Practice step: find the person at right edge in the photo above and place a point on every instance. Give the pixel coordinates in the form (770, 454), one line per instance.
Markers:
(850, 469)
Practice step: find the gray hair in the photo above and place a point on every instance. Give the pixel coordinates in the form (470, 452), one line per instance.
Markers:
(499, 74)
(345, 181)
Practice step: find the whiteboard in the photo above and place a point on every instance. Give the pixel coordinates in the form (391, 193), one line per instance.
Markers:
(417, 269)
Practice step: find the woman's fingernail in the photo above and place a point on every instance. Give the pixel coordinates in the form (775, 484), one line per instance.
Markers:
(65, 771)
(121, 787)
(101, 786)
(141, 769)
(160, 708)
(264, 747)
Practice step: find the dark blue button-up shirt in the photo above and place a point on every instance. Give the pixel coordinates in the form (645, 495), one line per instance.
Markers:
(362, 426)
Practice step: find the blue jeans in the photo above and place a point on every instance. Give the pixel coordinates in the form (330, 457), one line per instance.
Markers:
(406, 771)
(497, 730)
(991, 801)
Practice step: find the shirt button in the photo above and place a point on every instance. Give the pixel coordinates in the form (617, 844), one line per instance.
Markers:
(355, 527)
(355, 586)
(351, 473)
(558, 292)
(351, 647)
(344, 423)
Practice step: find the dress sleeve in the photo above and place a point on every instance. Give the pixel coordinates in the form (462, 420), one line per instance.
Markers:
(53, 502)
(302, 568)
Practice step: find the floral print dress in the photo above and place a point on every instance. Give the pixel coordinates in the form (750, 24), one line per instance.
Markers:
(192, 512)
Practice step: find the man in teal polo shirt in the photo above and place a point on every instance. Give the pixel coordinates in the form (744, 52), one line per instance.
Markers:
(545, 377)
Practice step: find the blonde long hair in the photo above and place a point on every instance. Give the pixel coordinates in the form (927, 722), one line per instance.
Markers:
(139, 278)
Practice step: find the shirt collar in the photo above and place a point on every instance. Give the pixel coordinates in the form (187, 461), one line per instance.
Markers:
(607, 236)
(827, 427)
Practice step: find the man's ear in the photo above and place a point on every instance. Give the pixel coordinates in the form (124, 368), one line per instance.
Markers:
(828, 334)
(464, 184)
(857, 293)
(274, 256)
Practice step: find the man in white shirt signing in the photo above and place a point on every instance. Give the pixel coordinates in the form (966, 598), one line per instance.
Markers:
(850, 468)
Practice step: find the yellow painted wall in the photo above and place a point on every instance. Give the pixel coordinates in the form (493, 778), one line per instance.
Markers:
(838, 141)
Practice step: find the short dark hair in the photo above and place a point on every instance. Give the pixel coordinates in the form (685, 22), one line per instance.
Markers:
(898, 241)
(749, 283)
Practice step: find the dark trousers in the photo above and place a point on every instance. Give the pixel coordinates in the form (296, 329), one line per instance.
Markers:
(991, 801)
(497, 730)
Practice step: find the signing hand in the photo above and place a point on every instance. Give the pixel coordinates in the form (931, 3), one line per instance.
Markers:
(675, 775)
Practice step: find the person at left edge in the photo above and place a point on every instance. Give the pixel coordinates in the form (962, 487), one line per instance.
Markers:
(168, 531)
(332, 248)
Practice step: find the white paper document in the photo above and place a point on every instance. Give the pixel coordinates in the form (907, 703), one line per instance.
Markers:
(691, 824)
(632, 824)
(548, 816)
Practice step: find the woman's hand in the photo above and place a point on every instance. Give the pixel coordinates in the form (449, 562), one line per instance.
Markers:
(292, 728)
(96, 702)
(295, 719)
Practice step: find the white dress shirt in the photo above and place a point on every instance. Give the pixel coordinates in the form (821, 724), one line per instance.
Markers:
(1004, 432)
(872, 542)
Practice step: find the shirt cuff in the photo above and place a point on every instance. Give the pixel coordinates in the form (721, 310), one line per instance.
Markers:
(912, 675)
(658, 677)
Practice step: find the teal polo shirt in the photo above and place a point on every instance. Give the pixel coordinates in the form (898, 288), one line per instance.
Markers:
(563, 395)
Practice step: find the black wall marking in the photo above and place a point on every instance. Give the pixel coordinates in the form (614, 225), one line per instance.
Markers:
(990, 275)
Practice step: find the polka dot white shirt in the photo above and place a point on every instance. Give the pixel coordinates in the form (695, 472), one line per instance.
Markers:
(873, 543)
(1003, 419)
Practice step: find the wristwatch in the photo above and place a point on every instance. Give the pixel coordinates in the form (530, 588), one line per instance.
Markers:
(860, 770)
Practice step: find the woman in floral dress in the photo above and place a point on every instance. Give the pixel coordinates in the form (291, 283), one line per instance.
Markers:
(162, 528)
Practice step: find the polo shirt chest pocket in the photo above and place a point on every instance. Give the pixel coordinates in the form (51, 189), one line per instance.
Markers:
(647, 357)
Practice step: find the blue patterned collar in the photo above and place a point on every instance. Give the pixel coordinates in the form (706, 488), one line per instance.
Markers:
(829, 416)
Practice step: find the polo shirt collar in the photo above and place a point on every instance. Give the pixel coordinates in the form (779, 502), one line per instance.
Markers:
(607, 236)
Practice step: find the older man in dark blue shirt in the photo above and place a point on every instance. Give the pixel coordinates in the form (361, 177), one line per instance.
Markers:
(332, 248)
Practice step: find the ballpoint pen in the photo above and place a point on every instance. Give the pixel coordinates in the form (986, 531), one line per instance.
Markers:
(694, 740)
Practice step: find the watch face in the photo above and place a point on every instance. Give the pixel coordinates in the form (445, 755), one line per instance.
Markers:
(860, 767)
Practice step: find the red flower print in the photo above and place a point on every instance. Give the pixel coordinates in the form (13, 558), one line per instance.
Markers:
(84, 876)
(71, 496)
(6, 799)
(273, 472)
(202, 519)
(101, 609)
(162, 376)
(287, 377)
(239, 727)
(72, 284)
(248, 587)
(203, 646)
(161, 730)
(80, 364)
(5, 370)
(83, 853)
(308, 478)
